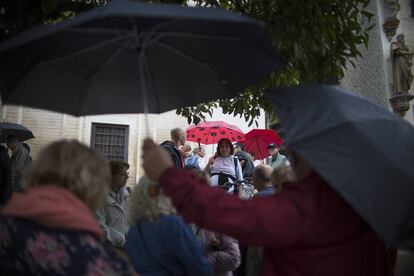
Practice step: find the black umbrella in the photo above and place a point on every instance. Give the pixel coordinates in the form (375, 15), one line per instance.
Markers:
(364, 152)
(133, 57)
(22, 132)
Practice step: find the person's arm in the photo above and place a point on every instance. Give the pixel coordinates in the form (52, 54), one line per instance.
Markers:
(227, 257)
(115, 237)
(280, 220)
(209, 164)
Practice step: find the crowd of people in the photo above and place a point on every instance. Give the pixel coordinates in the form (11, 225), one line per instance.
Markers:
(72, 213)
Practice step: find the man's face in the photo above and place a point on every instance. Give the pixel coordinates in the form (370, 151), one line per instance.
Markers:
(182, 138)
(120, 179)
(273, 151)
(237, 150)
(11, 144)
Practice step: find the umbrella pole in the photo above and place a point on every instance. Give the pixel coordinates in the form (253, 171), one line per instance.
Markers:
(142, 80)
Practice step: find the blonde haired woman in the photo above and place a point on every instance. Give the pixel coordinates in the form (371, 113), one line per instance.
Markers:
(50, 229)
(158, 241)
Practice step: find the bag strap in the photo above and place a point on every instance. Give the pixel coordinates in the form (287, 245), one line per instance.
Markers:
(149, 251)
(236, 168)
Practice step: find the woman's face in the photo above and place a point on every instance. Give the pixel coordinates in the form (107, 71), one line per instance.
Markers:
(225, 150)
(120, 179)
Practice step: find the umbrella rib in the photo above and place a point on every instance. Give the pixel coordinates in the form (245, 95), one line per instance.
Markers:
(180, 53)
(106, 63)
(151, 77)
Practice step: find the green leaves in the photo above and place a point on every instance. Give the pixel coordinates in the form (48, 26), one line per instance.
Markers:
(318, 38)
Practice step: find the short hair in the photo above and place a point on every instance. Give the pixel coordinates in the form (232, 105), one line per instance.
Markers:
(73, 166)
(187, 148)
(238, 145)
(144, 205)
(116, 166)
(263, 172)
(175, 133)
(281, 175)
(223, 141)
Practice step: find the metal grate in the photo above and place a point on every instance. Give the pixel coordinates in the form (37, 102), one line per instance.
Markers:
(110, 140)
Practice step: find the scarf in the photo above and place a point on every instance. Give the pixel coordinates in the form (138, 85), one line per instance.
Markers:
(53, 207)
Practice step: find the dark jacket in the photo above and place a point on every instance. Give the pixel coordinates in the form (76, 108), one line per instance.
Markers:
(5, 176)
(175, 154)
(248, 167)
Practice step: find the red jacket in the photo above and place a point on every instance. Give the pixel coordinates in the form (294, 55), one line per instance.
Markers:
(307, 229)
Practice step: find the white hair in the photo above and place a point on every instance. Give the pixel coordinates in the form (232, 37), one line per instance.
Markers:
(143, 205)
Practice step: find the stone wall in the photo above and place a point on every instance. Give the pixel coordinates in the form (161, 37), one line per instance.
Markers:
(369, 76)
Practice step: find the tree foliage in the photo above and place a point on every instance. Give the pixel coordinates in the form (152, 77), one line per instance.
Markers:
(317, 38)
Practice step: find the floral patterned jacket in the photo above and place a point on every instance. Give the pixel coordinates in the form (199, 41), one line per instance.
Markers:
(28, 248)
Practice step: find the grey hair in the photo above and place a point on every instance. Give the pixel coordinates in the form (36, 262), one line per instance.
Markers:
(142, 205)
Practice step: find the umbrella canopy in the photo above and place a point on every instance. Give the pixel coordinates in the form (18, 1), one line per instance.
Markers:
(22, 132)
(133, 57)
(257, 141)
(363, 151)
(211, 132)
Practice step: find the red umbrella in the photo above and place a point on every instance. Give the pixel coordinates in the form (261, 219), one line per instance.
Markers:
(258, 139)
(211, 132)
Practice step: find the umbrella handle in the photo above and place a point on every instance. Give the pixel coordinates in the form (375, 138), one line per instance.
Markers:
(142, 67)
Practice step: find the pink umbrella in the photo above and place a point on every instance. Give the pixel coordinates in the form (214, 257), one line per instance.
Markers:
(258, 139)
(211, 132)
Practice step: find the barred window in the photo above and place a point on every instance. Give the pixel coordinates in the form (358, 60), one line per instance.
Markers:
(110, 140)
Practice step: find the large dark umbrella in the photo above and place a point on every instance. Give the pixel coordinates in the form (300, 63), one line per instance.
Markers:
(362, 150)
(132, 57)
(22, 132)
